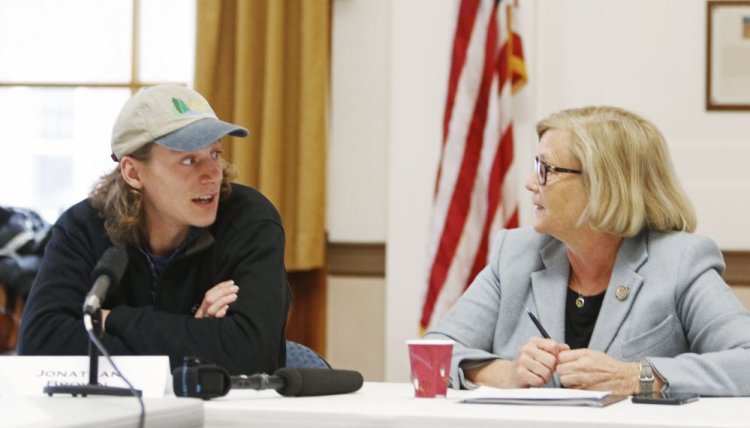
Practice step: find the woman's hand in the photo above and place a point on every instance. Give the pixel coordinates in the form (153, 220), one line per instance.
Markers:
(216, 301)
(588, 369)
(536, 363)
(534, 366)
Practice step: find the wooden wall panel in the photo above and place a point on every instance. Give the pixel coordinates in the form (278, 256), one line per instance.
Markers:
(307, 318)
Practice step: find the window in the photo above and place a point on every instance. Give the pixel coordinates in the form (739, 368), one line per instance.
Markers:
(66, 68)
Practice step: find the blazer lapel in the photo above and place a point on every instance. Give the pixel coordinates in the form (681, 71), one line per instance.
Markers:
(621, 292)
(549, 287)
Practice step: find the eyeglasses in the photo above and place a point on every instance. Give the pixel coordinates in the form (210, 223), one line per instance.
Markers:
(543, 168)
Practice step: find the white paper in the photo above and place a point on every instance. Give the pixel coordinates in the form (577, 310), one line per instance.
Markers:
(21, 411)
(28, 375)
(535, 393)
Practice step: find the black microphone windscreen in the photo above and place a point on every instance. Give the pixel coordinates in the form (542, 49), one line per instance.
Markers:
(302, 382)
(112, 263)
(204, 381)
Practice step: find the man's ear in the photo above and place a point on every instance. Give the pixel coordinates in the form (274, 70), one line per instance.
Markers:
(130, 173)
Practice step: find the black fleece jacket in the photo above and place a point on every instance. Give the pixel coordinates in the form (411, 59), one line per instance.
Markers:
(153, 315)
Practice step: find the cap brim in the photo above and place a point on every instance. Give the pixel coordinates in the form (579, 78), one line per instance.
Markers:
(200, 134)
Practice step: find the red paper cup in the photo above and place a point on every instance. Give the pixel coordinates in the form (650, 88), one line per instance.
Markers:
(430, 366)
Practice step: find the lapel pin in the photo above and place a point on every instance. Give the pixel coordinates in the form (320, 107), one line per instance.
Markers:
(622, 292)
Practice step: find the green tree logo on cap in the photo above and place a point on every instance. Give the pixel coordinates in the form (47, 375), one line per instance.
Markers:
(180, 106)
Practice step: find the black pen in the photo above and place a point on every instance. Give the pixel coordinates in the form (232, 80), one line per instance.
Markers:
(537, 324)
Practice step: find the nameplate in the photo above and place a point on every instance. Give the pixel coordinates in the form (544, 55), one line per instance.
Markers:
(29, 375)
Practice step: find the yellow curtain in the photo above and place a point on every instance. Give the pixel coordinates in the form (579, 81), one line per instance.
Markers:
(264, 64)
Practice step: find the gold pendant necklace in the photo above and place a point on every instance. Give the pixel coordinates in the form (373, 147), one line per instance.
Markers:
(580, 301)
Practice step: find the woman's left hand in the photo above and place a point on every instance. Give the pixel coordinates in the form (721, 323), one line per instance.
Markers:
(589, 369)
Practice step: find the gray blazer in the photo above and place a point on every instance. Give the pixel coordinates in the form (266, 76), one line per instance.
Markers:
(679, 313)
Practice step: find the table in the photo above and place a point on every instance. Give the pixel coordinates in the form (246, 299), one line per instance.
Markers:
(98, 411)
(393, 405)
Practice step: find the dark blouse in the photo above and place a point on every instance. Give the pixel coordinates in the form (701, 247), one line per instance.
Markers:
(579, 322)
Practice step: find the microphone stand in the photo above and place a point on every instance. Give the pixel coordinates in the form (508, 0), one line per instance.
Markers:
(94, 329)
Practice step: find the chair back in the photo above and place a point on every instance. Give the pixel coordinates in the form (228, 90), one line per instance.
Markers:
(300, 356)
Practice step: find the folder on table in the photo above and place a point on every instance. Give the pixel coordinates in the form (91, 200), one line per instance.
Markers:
(542, 397)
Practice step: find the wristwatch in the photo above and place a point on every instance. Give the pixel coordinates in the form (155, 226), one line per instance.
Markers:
(645, 377)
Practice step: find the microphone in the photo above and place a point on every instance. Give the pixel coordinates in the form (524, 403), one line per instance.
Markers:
(108, 271)
(302, 382)
(208, 381)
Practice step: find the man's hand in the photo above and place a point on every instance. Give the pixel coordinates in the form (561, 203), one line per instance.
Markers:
(216, 301)
(105, 314)
(588, 369)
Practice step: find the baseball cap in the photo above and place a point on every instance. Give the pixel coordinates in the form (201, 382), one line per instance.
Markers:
(170, 115)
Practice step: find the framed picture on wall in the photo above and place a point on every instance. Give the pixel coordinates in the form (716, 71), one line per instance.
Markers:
(728, 55)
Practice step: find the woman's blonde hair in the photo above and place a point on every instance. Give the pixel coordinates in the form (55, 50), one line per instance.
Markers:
(627, 171)
(121, 205)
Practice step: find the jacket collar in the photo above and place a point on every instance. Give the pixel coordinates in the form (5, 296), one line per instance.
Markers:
(198, 239)
(549, 288)
(201, 241)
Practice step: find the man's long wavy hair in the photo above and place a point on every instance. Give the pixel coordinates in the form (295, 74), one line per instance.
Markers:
(121, 206)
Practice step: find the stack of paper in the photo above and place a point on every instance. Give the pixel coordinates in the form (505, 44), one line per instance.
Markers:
(542, 396)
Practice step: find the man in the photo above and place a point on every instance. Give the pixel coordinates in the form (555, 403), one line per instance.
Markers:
(205, 274)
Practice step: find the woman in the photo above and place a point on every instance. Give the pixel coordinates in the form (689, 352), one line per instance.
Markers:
(633, 302)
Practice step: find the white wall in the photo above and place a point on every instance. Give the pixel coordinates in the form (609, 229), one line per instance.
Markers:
(649, 56)
(359, 122)
(419, 70)
(645, 55)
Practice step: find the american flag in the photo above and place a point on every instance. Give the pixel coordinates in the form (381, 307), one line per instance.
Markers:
(476, 187)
